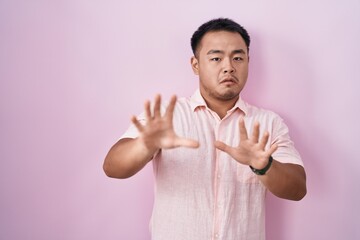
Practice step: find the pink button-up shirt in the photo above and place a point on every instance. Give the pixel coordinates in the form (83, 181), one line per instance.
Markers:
(203, 194)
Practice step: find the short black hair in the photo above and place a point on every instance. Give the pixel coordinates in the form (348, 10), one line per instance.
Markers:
(219, 24)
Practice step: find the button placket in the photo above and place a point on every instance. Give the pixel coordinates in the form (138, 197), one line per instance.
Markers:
(218, 180)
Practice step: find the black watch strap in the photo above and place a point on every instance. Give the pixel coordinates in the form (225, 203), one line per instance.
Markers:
(264, 170)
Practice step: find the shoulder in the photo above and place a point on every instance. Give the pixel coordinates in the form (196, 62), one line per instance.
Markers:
(182, 103)
(258, 112)
(182, 108)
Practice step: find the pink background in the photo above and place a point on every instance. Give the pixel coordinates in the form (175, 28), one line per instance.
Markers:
(73, 72)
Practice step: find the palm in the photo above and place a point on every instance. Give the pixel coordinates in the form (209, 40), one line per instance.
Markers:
(250, 151)
(158, 132)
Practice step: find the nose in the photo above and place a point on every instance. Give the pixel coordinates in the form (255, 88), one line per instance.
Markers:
(228, 67)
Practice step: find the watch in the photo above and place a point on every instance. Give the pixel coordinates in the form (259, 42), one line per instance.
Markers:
(264, 170)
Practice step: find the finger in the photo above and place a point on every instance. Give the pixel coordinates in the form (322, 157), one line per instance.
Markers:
(243, 132)
(225, 148)
(184, 142)
(256, 132)
(147, 111)
(157, 113)
(264, 140)
(170, 109)
(137, 124)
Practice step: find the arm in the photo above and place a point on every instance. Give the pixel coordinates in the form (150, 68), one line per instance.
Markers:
(285, 180)
(128, 156)
(282, 179)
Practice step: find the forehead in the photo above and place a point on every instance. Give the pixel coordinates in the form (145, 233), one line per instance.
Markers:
(221, 40)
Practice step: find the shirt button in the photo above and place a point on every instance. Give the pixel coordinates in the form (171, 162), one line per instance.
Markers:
(218, 176)
(216, 235)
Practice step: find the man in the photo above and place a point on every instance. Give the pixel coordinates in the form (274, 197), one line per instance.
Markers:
(214, 155)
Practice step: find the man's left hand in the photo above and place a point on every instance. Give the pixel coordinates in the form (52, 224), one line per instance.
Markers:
(250, 151)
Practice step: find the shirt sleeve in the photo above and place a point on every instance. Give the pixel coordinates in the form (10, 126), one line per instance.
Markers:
(286, 152)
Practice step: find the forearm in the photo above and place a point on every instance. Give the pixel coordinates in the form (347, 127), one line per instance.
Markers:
(126, 158)
(285, 180)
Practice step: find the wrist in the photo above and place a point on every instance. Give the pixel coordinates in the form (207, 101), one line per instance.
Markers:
(262, 171)
(146, 148)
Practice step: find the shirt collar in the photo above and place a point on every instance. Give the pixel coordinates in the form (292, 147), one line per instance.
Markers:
(196, 100)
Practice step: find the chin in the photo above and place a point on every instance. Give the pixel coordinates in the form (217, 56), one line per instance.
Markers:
(229, 95)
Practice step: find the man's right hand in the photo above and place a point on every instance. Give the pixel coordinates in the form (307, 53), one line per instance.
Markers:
(158, 131)
(130, 155)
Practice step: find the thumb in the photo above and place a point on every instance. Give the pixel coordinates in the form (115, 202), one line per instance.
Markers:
(273, 148)
(222, 146)
(184, 142)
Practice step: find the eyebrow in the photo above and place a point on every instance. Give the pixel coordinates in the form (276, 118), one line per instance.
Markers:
(213, 51)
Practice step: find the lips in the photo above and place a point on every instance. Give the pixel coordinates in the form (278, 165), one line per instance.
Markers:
(229, 79)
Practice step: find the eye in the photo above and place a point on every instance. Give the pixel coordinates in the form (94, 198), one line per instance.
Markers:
(238, 59)
(216, 59)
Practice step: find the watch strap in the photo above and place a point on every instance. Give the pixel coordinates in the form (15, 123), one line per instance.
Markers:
(264, 170)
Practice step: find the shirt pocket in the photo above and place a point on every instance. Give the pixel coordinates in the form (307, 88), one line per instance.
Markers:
(245, 175)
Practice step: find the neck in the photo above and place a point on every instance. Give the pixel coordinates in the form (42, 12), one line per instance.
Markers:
(221, 107)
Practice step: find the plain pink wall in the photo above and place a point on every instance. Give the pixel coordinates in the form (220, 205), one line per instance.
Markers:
(73, 72)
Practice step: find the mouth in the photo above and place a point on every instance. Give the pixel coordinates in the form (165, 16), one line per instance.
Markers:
(229, 80)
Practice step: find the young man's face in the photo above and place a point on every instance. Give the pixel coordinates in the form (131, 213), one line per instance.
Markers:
(222, 65)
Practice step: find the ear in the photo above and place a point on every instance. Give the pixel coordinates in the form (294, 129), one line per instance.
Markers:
(195, 65)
